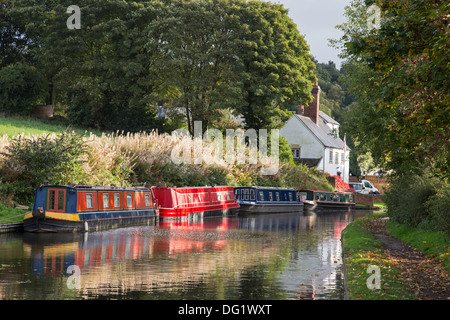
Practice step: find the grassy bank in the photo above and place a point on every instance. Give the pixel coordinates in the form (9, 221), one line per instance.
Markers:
(9, 214)
(361, 250)
(435, 244)
(13, 126)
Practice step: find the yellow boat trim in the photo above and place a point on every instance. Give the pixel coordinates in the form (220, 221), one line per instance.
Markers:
(57, 215)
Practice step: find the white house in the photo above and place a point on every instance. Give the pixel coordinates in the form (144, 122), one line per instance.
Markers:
(314, 139)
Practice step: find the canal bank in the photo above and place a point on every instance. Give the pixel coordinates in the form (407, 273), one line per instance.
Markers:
(379, 266)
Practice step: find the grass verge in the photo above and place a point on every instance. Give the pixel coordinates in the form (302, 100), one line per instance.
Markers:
(361, 250)
(13, 126)
(435, 244)
(9, 215)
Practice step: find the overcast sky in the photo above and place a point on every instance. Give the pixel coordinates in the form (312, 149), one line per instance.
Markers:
(316, 20)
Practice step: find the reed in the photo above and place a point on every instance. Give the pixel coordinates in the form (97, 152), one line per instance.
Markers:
(144, 159)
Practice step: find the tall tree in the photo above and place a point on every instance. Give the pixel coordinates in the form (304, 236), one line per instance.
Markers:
(194, 38)
(276, 66)
(102, 71)
(407, 63)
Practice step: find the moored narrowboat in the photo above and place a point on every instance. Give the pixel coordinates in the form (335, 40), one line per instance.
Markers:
(181, 203)
(267, 200)
(325, 200)
(60, 208)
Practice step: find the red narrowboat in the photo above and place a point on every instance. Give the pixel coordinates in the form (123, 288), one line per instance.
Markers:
(195, 202)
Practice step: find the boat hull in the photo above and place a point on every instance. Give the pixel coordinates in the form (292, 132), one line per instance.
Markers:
(172, 215)
(270, 208)
(318, 206)
(51, 222)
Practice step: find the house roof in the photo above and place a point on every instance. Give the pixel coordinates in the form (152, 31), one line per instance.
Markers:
(327, 118)
(322, 132)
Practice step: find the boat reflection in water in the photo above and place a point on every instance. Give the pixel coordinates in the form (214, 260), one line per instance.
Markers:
(274, 256)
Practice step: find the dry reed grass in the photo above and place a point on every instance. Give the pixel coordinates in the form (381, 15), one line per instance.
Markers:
(145, 159)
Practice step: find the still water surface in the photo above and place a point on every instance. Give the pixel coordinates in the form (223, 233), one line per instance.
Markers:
(274, 256)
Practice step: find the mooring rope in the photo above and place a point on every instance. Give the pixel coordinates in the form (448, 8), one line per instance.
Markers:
(9, 218)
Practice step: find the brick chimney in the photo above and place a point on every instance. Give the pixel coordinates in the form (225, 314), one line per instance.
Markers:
(312, 110)
(301, 110)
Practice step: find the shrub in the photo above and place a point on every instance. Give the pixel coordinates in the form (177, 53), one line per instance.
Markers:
(420, 201)
(438, 207)
(29, 161)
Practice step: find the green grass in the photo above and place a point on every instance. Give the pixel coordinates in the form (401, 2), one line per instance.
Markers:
(13, 126)
(9, 215)
(435, 244)
(380, 204)
(361, 250)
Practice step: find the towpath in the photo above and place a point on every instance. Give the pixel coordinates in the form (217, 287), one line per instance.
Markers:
(426, 277)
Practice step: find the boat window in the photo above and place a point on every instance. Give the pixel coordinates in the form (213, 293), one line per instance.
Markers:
(190, 198)
(246, 194)
(89, 202)
(228, 195)
(106, 200)
(117, 200)
(242, 194)
(129, 200)
(200, 198)
(270, 196)
(51, 200)
(278, 196)
(61, 199)
(290, 196)
(261, 195)
(147, 200)
(252, 194)
(236, 194)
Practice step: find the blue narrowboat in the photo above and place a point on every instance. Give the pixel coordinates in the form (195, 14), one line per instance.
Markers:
(267, 200)
(325, 200)
(60, 208)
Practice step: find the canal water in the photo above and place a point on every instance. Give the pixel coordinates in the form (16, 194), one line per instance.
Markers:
(273, 256)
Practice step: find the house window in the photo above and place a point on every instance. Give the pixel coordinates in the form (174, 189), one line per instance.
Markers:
(336, 159)
(89, 202)
(116, 200)
(331, 156)
(296, 153)
(106, 200)
(342, 156)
